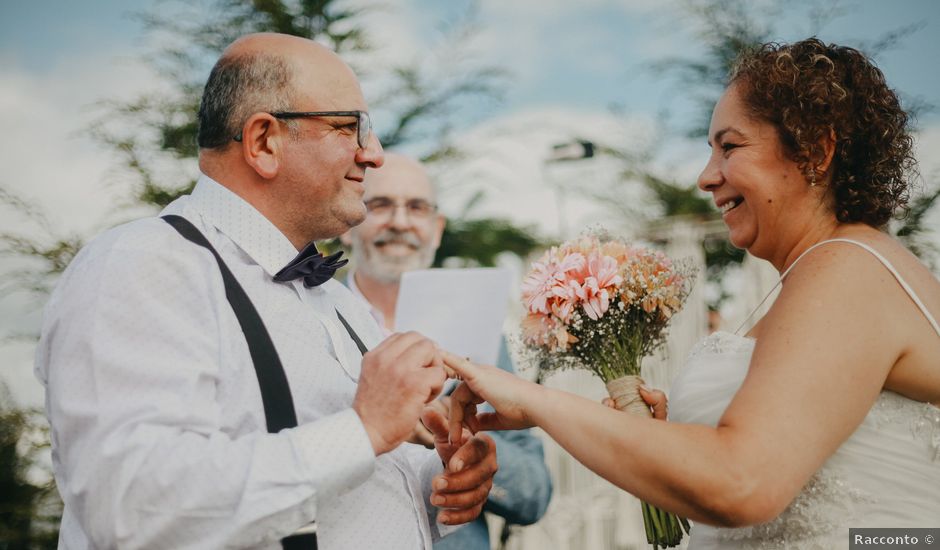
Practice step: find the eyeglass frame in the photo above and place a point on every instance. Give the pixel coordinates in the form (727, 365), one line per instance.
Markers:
(362, 136)
(394, 205)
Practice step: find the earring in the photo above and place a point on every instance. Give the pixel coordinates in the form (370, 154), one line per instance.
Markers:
(812, 177)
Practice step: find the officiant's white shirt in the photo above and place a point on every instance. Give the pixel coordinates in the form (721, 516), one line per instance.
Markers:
(158, 431)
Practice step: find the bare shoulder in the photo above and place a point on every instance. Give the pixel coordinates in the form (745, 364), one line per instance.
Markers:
(841, 331)
(829, 343)
(833, 301)
(842, 296)
(853, 276)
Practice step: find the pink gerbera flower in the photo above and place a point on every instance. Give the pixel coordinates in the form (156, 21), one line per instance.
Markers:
(603, 277)
(547, 275)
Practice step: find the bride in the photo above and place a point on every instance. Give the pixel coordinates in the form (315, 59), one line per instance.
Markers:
(823, 416)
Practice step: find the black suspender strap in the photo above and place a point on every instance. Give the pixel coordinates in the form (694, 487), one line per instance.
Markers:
(275, 391)
(352, 334)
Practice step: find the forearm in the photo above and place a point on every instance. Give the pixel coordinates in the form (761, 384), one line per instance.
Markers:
(155, 446)
(150, 484)
(659, 462)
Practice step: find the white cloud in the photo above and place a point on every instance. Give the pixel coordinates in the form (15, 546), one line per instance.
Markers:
(49, 159)
(17, 374)
(395, 33)
(927, 145)
(535, 10)
(18, 322)
(533, 38)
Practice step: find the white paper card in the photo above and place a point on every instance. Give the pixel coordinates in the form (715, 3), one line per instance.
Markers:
(462, 310)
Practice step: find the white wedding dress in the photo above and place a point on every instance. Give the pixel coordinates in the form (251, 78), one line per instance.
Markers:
(887, 474)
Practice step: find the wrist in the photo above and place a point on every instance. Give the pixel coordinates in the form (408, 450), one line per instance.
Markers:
(379, 445)
(533, 401)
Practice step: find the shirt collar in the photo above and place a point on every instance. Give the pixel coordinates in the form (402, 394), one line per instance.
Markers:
(243, 224)
(376, 314)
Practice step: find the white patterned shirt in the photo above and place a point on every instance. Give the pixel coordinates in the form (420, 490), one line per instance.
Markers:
(158, 430)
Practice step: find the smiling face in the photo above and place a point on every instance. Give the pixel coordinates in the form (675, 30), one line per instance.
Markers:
(323, 168)
(763, 196)
(399, 234)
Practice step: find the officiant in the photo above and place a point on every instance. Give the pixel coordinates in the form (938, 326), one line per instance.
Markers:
(402, 232)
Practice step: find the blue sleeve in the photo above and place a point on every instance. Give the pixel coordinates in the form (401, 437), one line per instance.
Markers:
(522, 487)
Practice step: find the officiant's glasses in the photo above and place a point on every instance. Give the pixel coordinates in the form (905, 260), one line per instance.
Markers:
(384, 207)
(363, 121)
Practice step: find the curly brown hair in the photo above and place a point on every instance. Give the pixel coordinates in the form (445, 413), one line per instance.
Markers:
(809, 90)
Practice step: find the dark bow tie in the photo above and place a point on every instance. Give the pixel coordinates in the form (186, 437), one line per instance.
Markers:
(312, 266)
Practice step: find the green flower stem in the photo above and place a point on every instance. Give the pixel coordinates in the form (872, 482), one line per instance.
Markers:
(612, 348)
(666, 534)
(647, 522)
(657, 526)
(664, 526)
(674, 535)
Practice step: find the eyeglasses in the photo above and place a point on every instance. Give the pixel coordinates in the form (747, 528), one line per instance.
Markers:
(363, 122)
(385, 207)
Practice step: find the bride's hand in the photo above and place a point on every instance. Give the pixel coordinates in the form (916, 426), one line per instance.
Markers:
(502, 390)
(655, 399)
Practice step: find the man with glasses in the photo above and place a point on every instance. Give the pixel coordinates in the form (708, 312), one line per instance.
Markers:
(402, 231)
(363, 124)
(209, 387)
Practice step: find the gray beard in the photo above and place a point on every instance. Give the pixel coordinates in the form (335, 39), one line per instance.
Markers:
(370, 261)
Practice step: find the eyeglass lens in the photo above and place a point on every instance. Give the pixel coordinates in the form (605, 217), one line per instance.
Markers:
(364, 129)
(416, 208)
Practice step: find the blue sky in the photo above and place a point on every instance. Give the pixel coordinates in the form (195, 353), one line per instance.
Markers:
(570, 62)
(590, 54)
(602, 53)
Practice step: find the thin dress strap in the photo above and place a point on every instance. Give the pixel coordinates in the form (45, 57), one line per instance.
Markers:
(884, 261)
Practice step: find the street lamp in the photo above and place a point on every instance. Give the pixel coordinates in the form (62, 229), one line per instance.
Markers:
(575, 150)
(565, 152)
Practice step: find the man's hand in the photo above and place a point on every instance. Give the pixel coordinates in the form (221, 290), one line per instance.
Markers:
(464, 486)
(399, 376)
(421, 435)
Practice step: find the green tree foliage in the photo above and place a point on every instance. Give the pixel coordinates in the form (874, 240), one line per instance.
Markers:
(29, 511)
(420, 103)
(160, 125)
(39, 251)
(725, 29)
(154, 135)
(480, 241)
(420, 98)
(912, 228)
(677, 200)
(680, 202)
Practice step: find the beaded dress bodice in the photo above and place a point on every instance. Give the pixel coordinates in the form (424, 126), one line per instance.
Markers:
(886, 474)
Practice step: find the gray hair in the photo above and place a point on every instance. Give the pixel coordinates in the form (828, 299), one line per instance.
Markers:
(239, 86)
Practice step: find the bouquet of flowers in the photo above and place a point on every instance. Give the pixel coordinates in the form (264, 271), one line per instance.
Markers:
(600, 304)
